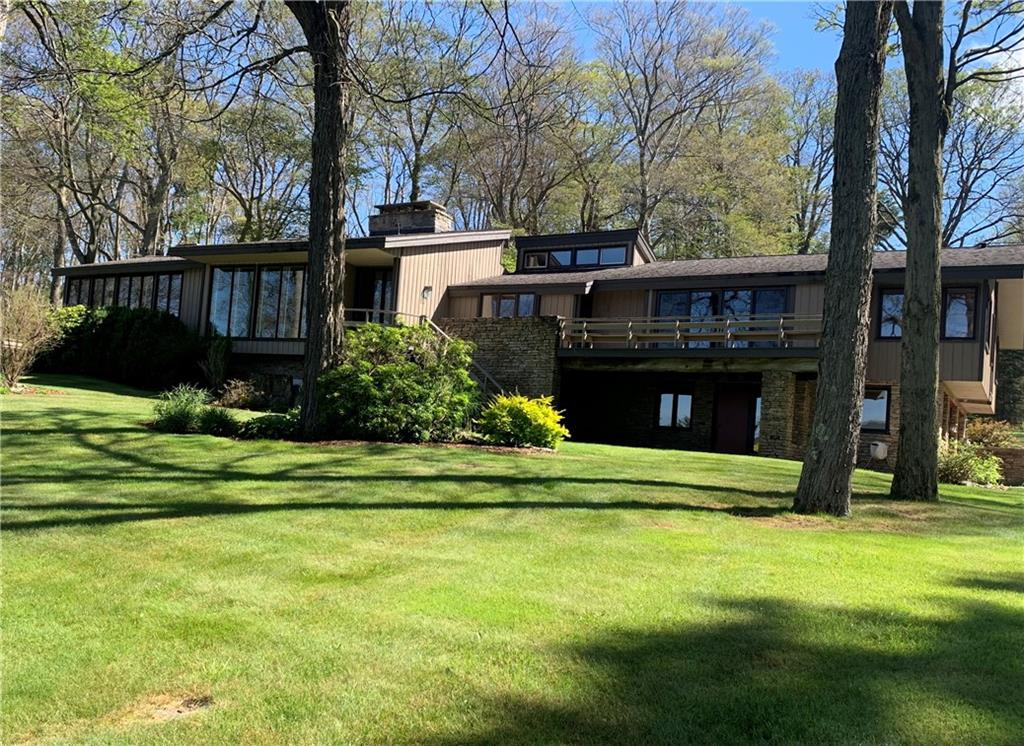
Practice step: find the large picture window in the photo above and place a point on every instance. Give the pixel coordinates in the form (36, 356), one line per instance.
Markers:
(958, 312)
(264, 302)
(874, 417)
(159, 292)
(734, 303)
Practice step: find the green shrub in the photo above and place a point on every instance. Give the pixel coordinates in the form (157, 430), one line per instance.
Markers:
(217, 421)
(991, 433)
(241, 394)
(271, 427)
(179, 410)
(403, 383)
(140, 347)
(962, 462)
(514, 420)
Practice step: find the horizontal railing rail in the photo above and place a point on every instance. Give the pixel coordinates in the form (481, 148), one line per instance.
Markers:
(722, 332)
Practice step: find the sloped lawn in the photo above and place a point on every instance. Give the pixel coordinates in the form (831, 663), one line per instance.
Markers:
(189, 589)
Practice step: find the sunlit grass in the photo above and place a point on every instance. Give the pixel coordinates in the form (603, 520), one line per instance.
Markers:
(369, 594)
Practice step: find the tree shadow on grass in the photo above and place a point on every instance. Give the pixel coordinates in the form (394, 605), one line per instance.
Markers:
(780, 672)
(84, 512)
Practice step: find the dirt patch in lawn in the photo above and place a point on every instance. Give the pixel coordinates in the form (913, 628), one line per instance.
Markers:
(161, 708)
(34, 391)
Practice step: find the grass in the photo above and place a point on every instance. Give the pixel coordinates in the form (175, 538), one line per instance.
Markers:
(395, 594)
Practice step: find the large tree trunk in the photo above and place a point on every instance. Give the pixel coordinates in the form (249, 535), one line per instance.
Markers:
(58, 256)
(825, 481)
(916, 475)
(326, 25)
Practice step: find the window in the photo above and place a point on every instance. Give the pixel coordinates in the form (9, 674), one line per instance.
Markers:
(608, 256)
(958, 306)
(874, 416)
(511, 306)
(890, 314)
(560, 258)
(231, 301)
(263, 302)
(613, 256)
(161, 292)
(536, 260)
(674, 410)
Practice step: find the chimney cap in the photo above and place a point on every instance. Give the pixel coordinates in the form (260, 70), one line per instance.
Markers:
(423, 205)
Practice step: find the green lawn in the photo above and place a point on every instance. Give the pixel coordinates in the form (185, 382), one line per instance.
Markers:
(394, 594)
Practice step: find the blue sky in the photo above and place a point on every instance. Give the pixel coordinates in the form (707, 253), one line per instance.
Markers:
(797, 43)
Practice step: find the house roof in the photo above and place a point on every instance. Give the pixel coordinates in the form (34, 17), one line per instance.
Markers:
(995, 261)
(128, 266)
(449, 239)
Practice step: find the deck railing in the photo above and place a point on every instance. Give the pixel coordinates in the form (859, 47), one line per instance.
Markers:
(717, 332)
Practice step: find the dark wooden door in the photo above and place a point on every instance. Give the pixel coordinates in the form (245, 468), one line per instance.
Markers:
(735, 406)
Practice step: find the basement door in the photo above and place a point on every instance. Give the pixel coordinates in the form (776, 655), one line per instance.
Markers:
(735, 417)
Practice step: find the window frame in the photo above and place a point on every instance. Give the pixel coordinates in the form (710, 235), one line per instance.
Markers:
(675, 411)
(257, 285)
(95, 287)
(574, 262)
(496, 299)
(973, 320)
(885, 430)
(882, 292)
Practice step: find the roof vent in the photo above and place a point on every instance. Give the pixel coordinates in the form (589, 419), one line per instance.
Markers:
(424, 216)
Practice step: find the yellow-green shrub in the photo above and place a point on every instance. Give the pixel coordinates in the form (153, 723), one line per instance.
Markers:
(515, 420)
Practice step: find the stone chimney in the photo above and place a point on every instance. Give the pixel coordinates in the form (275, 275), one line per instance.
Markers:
(425, 216)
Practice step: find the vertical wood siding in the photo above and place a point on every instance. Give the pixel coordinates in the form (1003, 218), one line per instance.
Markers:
(558, 305)
(619, 304)
(463, 306)
(435, 268)
(1010, 314)
(809, 300)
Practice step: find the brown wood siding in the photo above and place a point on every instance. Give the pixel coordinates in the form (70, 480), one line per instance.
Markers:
(1010, 314)
(619, 304)
(432, 267)
(463, 306)
(558, 305)
(193, 290)
(268, 346)
(958, 361)
(809, 300)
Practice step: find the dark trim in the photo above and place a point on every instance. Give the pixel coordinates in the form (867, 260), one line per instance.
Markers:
(144, 267)
(267, 247)
(888, 409)
(554, 241)
(767, 353)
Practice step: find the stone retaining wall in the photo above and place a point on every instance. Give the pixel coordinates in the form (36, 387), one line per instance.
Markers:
(521, 354)
(1013, 465)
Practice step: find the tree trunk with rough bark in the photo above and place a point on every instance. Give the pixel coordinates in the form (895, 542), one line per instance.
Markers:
(916, 474)
(326, 25)
(825, 481)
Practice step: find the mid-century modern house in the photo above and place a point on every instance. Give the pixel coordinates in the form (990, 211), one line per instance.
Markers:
(711, 354)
